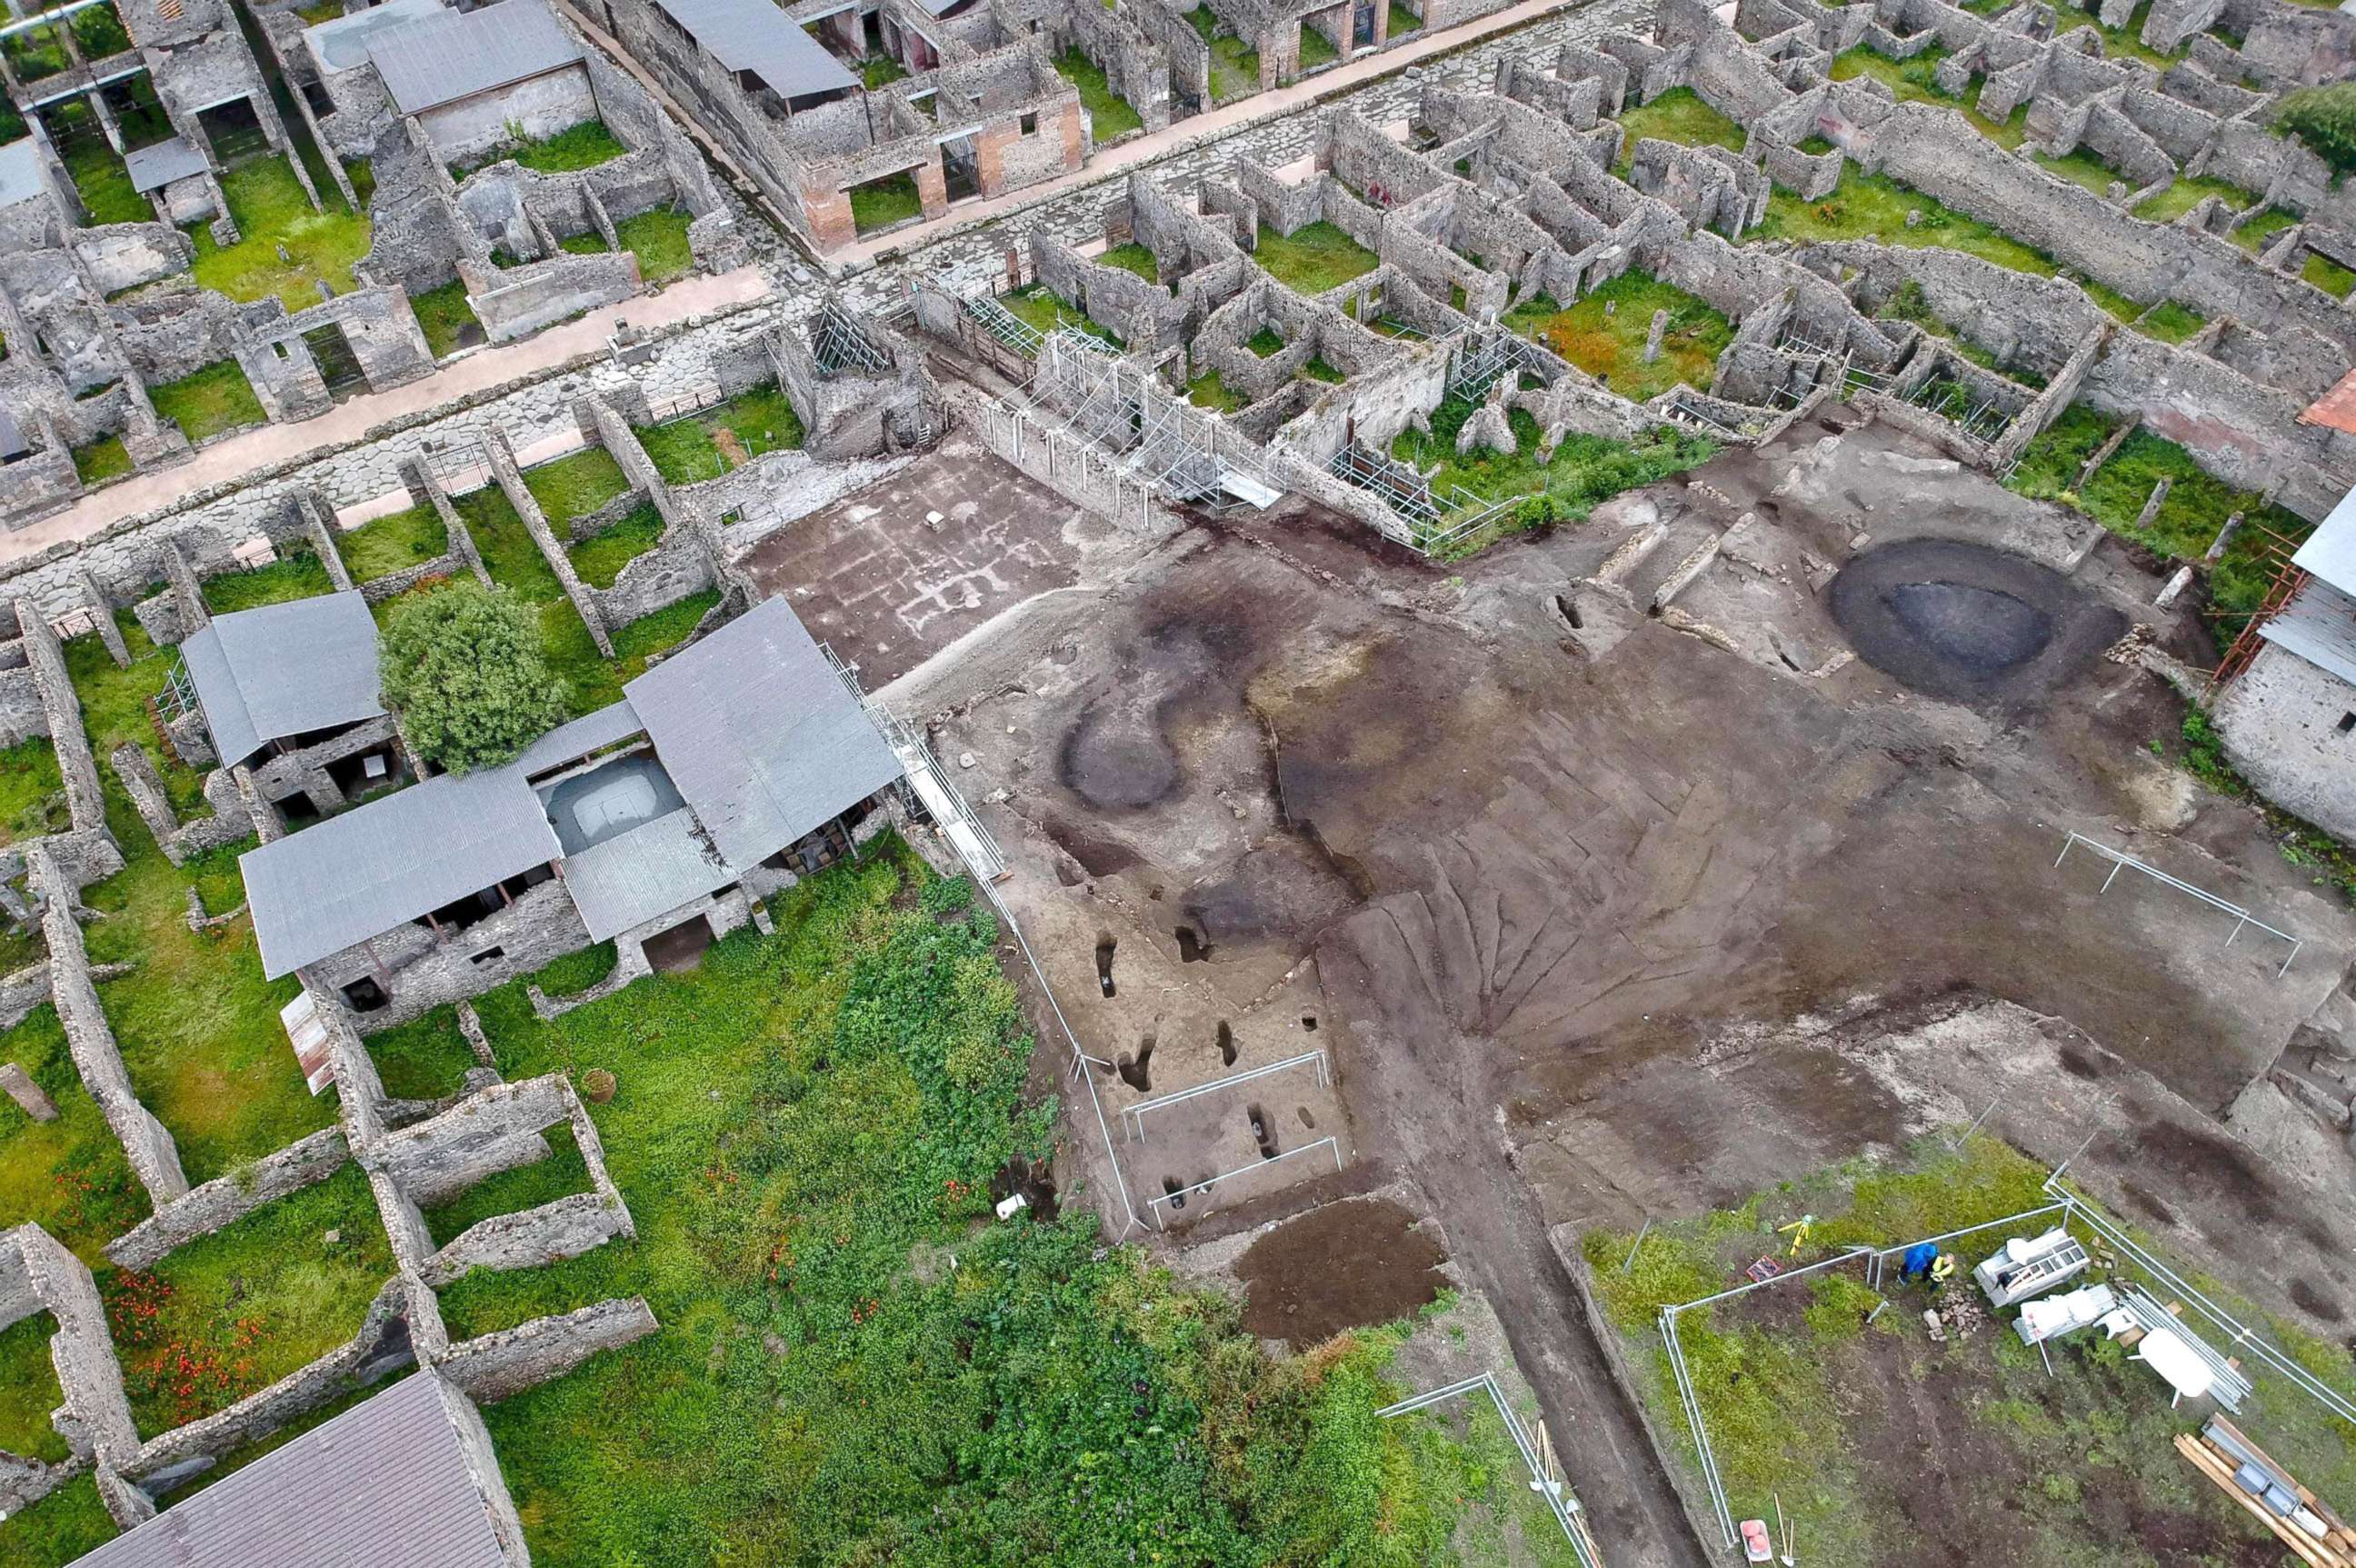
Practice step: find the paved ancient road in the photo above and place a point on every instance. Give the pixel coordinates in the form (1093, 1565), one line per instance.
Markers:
(270, 446)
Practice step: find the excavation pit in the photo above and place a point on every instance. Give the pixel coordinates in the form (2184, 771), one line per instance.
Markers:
(1968, 623)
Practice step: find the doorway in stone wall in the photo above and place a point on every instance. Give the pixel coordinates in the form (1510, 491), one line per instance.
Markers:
(1362, 24)
(679, 949)
(235, 131)
(961, 170)
(338, 366)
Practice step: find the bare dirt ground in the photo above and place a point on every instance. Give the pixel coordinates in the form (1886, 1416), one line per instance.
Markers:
(1593, 916)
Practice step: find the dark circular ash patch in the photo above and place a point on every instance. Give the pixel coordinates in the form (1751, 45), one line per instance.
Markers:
(1115, 759)
(1346, 1265)
(1968, 623)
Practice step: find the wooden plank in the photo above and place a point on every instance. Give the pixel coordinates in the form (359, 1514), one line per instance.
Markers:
(2317, 1554)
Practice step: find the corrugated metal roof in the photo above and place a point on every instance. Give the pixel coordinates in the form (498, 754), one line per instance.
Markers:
(2319, 624)
(2336, 408)
(2329, 553)
(572, 741)
(634, 876)
(346, 879)
(756, 35)
(153, 169)
(443, 58)
(384, 1485)
(343, 43)
(760, 735)
(284, 670)
(20, 172)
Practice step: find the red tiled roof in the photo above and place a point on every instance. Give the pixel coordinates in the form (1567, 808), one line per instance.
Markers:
(2336, 408)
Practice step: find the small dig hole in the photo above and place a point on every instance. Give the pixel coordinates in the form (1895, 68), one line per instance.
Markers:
(1570, 612)
(1105, 946)
(1308, 1022)
(1191, 949)
(1137, 1070)
(1227, 1044)
(1263, 1132)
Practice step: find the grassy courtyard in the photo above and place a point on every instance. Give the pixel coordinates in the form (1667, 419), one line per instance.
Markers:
(1677, 115)
(581, 146)
(297, 573)
(659, 239)
(1235, 68)
(384, 545)
(881, 203)
(210, 402)
(601, 557)
(1583, 472)
(708, 444)
(68, 1175)
(2188, 192)
(1874, 206)
(1914, 80)
(448, 321)
(1605, 332)
(575, 486)
(1315, 258)
(1133, 258)
(32, 793)
(271, 211)
(1109, 115)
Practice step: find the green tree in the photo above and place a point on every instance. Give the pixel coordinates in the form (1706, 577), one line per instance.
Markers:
(464, 668)
(2325, 119)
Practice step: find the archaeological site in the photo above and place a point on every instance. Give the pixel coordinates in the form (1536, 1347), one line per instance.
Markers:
(1104, 781)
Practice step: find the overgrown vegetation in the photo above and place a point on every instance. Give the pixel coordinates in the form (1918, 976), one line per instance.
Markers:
(584, 145)
(1133, 257)
(1583, 472)
(1606, 332)
(1916, 80)
(708, 444)
(2189, 519)
(575, 486)
(1235, 68)
(67, 1176)
(1875, 207)
(1109, 115)
(394, 543)
(32, 793)
(2189, 192)
(882, 202)
(296, 574)
(2325, 119)
(848, 1370)
(601, 557)
(1037, 305)
(1207, 391)
(271, 212)
(659, 239)
(1678, 115)
(1316, 48)
(464, 668)
(1316, 257)
(96, 169)
(95, 462)
(207, 403)
(449, 322)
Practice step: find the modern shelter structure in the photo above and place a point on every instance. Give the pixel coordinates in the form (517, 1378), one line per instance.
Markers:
(2288, 717)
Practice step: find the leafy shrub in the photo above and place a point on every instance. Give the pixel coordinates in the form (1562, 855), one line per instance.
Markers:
(464, 668)
(2325, 119)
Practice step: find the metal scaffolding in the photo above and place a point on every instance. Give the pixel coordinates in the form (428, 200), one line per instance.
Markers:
(841, 342)
(1490, 353)
(1978, 417)
(1153, 434)
(1004, 325)
(1678, 408)
(1431, 522)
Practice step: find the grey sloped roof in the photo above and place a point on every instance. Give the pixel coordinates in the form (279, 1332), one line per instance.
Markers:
(759, 733)
(2319, 624)
(346, 879)
(572, 741)
(343, 42)
(152, 168)
(20, 172)
(634, 876)
(443, 58)
(756, 35)
(2330, 552)
(384, 1485)
(283, 670)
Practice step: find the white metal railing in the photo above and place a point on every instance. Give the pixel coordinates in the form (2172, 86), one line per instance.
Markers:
(1559, 1502)
(2120, 861)
(1233, 1080)
(1177, 1199)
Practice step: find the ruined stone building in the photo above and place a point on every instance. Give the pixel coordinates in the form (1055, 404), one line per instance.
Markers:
(726, 772)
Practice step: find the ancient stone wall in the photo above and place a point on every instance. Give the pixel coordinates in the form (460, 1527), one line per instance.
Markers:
(497, 1365)
(222, 1201)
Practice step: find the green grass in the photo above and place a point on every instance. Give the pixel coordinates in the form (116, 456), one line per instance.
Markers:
(297, 574)
(1235, 68)
(1316, 257)
(659, 239)
(2187, 523)
(95, 462)
(68, 1175)
(272, 211)
(601, 557)
(589, 245)
(29, 1391)
(1265, 342)
(228, 1314)
(2187, 193)
(1403, 21)
(1316, 48)
(805, 1128)
(446, 317)
(384, 545)
(1677, 115)
(1037, 305)
(2084, 170)
(1914, 82)
(2171, 322)
(426, 1058)
(575, 486)
(68, 1523)
(1874, 206)
(1317, 369)
(881, 203)
(197, 1022)
(584, 145)
(102, 181)
(32, 794)
(1109, 115)
(577, 972)
(1209, 392)
(688, 450)
(1133, 258)
(561, 1174)
(2254, 235)
(208, 401)
(880, 70)
(2327, 275)
(1611, 347)
(1584, 471)
(2123, 42)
